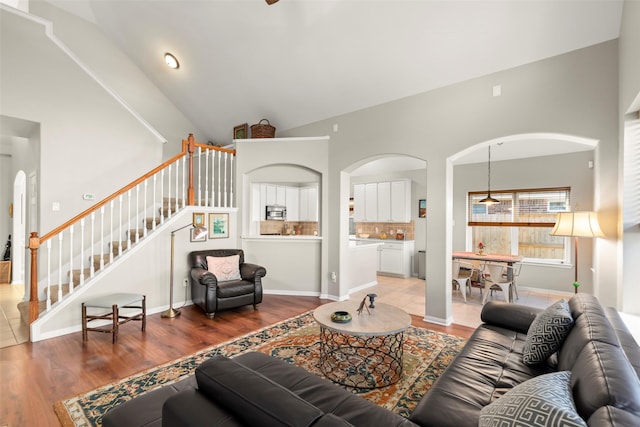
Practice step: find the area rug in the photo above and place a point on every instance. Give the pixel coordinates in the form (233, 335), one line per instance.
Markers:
(426, 355)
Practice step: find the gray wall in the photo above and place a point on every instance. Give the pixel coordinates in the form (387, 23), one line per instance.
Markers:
(545, 96)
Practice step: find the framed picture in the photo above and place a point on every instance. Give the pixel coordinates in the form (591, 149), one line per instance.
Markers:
(198, 219)
(218, 225)
(241, 131)
(199, 239)
(422, 208)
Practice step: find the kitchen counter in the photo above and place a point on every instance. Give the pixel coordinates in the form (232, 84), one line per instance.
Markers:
(377, 240)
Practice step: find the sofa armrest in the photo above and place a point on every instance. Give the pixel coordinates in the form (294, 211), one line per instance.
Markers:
(250, 271)
(203, 277)
(515, 317)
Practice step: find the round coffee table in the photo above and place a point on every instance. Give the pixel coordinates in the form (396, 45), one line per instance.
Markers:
(365, 352)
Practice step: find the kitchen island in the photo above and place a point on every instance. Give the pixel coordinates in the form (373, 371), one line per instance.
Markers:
(362, 264)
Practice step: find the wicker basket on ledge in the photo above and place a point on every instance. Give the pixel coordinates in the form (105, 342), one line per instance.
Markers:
(260, 130)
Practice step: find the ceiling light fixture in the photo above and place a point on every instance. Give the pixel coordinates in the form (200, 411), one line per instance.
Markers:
(171, 61)
(489, 200)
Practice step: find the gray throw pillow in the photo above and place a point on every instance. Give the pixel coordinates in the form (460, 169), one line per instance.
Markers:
(547, 333)
(545, 400)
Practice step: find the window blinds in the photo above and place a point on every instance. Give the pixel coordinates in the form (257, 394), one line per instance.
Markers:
(631, 166)
(519, 208)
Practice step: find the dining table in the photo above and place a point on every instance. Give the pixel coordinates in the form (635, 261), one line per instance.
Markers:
(507, 259)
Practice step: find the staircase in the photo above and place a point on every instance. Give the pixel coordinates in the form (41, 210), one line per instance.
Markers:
(54, 293)
(81, 248)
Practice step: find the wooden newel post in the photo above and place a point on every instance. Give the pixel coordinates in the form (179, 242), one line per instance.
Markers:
(191, 147)
(34, 309)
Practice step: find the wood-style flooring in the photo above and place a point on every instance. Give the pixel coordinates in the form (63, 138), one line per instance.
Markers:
(35, 375)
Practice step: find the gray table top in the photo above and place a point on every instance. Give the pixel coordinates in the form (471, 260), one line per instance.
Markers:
(384, 319)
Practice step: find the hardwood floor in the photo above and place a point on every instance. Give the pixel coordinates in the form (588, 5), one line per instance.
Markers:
(35, 375)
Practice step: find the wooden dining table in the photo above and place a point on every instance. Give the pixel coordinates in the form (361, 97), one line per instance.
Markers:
(510, 260)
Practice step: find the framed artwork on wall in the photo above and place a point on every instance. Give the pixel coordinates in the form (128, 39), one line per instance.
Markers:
(422, 208)
(198, 219)
(199, 239)
(218, 225)
(241, 131)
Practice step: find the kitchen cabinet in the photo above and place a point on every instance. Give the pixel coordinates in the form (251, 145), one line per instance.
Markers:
(395, 258)
(385, 201)
(371, 201)
(308, 204)
(301, 202)
(400, 199)
(292, 202)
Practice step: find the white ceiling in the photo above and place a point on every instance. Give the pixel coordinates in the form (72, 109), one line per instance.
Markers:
(300, 61)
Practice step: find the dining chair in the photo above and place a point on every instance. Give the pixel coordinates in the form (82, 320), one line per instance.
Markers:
(495, 277)
(461, 274)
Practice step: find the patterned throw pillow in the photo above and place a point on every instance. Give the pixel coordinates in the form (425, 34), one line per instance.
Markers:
(225, 268)
(545, 400)
(547, 333)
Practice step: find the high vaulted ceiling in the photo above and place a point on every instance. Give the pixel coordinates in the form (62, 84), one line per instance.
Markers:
(300, 61)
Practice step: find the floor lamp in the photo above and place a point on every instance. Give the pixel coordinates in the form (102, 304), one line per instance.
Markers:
(198, 232)
(577, 224)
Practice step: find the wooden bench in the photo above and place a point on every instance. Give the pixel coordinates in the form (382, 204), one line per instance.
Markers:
(113, 302)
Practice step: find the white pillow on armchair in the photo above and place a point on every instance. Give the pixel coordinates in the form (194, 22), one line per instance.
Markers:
(225, 268)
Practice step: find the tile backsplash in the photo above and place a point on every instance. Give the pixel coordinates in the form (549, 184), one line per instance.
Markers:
(374, 229)
(303, 228)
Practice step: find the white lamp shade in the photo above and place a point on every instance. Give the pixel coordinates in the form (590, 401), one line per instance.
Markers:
(577, 224)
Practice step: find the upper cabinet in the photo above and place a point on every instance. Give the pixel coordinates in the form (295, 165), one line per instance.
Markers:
(301, 202)
(385, 201)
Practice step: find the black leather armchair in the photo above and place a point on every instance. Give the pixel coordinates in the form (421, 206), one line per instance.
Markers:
(212, 295)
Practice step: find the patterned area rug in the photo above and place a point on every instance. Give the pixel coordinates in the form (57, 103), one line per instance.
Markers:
(426, 355)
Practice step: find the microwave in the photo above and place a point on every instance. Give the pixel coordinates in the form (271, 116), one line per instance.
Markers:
(276, 212)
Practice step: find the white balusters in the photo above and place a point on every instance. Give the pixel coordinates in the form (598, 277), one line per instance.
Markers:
(71, 228)
(119, 225)
(231, 182)
(144, 220)
(101, 238)
(206, 177)
(92, 268)
(49, 274)
(111, 231)
(59, 267)
(82, 222)
(184, 182)
(138, 210)
(199, 157)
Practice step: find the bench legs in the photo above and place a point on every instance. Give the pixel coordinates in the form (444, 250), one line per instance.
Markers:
(114, 316)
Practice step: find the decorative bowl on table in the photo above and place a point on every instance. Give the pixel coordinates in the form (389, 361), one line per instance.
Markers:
(341, 316)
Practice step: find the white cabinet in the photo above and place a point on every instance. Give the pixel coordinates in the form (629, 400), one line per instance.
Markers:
(371, 201)
(308, 204)
(301, 202)
(394, 258)
(385, 201)
(293, 204)
(401, 201)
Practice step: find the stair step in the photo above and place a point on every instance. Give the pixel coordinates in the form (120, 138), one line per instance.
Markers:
(23, 308)
(75, 275)
(115, 246)
(131, 234)
(149, 223)
(96, 261)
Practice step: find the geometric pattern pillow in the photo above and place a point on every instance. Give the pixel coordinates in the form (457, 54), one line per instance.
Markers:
(545, 400)
(225, 268)
(547, 333)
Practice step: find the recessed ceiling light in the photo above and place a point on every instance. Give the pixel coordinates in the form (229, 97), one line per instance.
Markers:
(171, 61)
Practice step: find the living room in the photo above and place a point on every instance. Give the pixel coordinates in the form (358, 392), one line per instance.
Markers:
(544, 96)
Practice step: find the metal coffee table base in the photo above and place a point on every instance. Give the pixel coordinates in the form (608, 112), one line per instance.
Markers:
(361, 361)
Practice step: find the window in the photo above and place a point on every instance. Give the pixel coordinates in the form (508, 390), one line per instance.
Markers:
(520, 224)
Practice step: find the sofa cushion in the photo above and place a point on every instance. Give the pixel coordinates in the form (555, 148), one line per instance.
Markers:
(542, 401)
(225, 268)
(253, 398)
(547, 333)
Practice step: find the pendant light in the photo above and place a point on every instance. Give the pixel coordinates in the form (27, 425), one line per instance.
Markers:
(489, 200)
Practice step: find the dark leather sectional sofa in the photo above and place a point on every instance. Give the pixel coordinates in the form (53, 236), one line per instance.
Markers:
(599, 356)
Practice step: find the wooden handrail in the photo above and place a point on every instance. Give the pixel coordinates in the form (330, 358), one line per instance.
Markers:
(188, 146)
